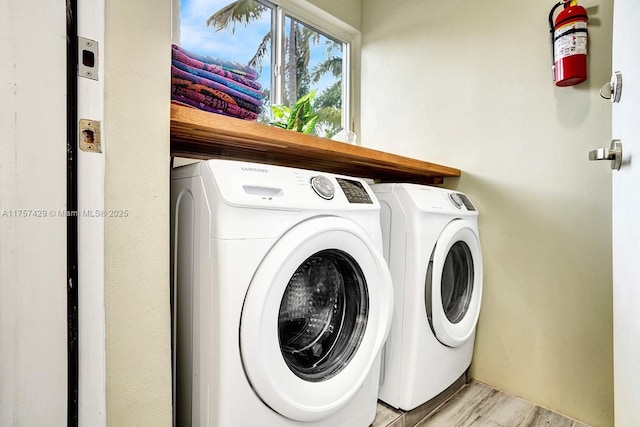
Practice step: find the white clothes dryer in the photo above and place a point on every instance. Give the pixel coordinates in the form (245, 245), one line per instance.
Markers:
(432, 246)
(282, 299)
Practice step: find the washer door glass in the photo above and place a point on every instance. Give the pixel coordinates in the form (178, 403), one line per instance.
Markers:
(456, 286)
(314, 318)
(323, 315)
(453, 286)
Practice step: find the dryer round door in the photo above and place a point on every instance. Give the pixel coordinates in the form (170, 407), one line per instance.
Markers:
(315, 316)
(454, 284)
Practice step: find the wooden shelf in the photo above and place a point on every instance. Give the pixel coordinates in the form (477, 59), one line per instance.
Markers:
(203, 135)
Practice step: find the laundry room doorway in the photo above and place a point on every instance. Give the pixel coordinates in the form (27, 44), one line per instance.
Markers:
(625, 223)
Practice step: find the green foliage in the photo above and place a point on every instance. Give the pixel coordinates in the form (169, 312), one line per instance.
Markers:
(301, 118)
(329, 121)
(240, 11)
(330, 97)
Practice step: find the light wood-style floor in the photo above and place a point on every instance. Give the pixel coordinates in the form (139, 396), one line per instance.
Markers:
(478, 405)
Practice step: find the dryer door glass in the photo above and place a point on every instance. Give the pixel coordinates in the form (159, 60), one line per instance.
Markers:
(457, 282)
(323, 315)
(453, 287)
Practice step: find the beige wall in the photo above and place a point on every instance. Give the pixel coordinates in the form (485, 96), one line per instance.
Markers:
(348, 11)
(137, 57)
(468, 84)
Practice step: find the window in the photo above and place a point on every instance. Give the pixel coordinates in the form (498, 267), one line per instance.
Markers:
(295, 49)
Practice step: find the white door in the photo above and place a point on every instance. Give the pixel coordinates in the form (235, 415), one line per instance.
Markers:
(626, 217)
(33, 262)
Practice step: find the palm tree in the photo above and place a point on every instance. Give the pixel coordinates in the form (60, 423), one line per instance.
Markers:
(329, 102)
(298, 46)
(242, 12)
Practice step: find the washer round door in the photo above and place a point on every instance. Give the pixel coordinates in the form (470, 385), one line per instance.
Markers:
(315, 316)
(454, 284)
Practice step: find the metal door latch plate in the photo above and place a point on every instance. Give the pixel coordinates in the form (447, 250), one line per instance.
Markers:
(87, 58)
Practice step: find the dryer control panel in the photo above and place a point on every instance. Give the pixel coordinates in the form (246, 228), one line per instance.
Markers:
(459, 200)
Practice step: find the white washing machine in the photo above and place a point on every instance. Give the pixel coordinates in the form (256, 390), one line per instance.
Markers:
(282, 298)
(432, 246)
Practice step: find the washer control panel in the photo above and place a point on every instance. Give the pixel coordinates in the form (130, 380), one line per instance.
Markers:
(354, 190)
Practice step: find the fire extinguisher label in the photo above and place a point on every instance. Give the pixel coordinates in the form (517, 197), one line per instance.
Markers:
(569, 42)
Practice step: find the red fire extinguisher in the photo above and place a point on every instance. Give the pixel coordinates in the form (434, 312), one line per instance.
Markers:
(569, 43)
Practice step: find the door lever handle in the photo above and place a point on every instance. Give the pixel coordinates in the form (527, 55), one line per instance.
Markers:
(613, 153)
(602, 154)
(613, 90)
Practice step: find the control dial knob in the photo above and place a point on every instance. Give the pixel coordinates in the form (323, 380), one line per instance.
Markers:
(323, 187)
(456, 200)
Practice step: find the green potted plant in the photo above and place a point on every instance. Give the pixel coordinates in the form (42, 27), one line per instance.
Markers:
(301, 118)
